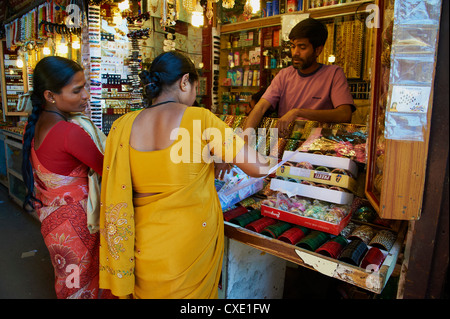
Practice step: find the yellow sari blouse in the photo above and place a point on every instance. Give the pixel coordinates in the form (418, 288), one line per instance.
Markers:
(168, 245)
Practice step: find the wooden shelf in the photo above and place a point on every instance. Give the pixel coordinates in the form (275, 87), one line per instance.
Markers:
(372, 281)
(251, 24)
(339, 9)
(16, 114)
(322, 12)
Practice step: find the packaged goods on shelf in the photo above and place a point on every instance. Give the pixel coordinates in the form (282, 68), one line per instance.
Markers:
(339, 142)
(310, 213)
(317, 191)
(318, 174)
(324, 160)
(313, 191)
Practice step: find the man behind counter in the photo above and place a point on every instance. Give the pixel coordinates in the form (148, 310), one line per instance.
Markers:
(307, 89)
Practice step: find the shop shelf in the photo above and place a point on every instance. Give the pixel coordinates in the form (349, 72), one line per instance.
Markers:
(14, 156)
(371, 281)
(17, 189)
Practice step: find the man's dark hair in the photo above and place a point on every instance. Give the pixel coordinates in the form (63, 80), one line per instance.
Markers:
(311, 29)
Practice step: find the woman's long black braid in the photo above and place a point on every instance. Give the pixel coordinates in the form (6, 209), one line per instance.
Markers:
(27, 169)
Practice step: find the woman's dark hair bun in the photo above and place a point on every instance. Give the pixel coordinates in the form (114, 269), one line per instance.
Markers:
(164, 71)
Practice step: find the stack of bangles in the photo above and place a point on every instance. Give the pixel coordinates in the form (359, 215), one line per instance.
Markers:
(316, 209)
(308, 165)
(301, 181)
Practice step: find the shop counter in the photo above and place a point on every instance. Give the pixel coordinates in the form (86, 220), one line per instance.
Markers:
(373, 281)
(13, 155)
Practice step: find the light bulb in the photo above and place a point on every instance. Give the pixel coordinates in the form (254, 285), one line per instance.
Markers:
(19, 62)
(76, 44)
(46, 50)
(331, 58)
(197, 16)
(62, 48)
(125, 5)
(256, 6)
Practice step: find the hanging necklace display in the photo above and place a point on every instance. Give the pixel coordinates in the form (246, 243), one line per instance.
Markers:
(228, 4)
(154, 5)
(169, 13)
(135, 65)
(189, 5)
(247, 10)
(209, 11)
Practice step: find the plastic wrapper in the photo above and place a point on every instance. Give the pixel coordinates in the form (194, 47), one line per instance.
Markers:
(239, 122)
(278, 149)
(291, 144)
(339, 143)
(229, 120)
(332, 213)
(410, 39)
(405, 126)
(418, 12)
(412, 68)
(230, 193)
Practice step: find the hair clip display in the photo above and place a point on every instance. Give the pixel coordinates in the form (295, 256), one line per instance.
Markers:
(139, 34)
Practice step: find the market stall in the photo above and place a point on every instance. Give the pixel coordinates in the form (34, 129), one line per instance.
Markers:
(344, 199)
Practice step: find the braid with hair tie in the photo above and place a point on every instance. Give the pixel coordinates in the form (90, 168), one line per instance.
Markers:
(27, 171)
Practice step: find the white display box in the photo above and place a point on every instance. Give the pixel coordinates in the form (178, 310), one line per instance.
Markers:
(323, 160)
(327, 195)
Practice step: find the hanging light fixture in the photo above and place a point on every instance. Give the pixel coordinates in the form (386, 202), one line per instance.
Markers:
(256, 6)
(19, 61)
(62, 47)
(197, 16)
(47, 46)
(76, 44)
(125, 5)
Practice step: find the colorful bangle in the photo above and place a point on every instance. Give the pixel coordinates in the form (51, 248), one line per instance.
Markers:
(306, 165)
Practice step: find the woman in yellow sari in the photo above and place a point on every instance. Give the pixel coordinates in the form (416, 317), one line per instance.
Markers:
(161, 221)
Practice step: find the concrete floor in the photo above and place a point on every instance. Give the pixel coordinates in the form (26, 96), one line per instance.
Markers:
(24, 274)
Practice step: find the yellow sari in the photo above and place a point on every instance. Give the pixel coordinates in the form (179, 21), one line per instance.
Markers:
(169, 245)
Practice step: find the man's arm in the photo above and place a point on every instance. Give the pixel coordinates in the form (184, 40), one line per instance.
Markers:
(341, 114)
(257, 114)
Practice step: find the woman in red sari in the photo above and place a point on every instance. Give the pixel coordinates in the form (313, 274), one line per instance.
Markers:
(57, 156)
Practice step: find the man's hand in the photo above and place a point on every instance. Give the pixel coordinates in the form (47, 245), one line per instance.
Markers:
(285, 121)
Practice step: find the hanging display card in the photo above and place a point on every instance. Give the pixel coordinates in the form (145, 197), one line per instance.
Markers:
(413, 59)
(410, 99)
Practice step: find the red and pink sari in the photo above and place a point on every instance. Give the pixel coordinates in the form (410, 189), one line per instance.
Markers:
(74, 251)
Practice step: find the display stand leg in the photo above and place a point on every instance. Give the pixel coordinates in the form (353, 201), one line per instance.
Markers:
(249, 273)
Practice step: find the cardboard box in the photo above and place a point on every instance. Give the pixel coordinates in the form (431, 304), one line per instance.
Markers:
(333, 179)
(324, 160)
(327, 195)
(308, 222)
